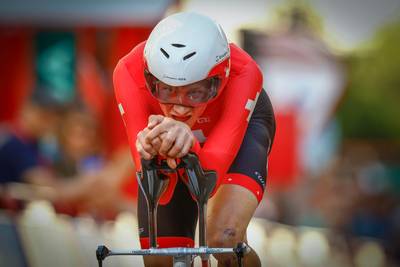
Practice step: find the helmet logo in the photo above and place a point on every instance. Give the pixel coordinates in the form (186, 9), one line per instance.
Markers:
(220, 57)
(174, 78)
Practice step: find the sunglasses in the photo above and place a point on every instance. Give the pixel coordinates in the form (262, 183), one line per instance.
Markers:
(194, 94)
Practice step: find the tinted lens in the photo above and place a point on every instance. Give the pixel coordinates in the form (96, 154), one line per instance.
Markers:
(165, 92)
(190, 95)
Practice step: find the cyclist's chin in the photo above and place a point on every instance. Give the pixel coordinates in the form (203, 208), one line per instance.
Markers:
(191, 121)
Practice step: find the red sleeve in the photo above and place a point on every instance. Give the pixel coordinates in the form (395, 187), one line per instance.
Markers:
(132, 104)
(224, 141)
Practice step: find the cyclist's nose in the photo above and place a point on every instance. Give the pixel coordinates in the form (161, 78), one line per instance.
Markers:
(181, 94)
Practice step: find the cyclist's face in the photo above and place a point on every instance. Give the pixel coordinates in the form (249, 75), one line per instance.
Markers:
(186, 114)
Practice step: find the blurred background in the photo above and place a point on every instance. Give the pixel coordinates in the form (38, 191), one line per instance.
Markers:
(331, 69)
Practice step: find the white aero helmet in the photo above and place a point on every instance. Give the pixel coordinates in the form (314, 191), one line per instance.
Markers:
(186, 48)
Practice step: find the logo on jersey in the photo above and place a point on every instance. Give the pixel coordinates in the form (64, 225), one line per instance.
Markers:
(260, 178)
(203, 120)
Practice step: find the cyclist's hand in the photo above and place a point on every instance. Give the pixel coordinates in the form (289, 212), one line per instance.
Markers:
(176, 138)
(156, 142)
(145, 149)
(148, 151)
(153, 121)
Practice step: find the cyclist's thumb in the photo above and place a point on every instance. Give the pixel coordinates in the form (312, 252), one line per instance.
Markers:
(172, 163)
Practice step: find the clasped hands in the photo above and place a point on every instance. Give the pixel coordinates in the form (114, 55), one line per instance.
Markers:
(164, 136)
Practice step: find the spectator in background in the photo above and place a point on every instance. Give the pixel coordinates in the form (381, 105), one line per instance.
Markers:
(80, 144)
(69, 180)
(91, 181)
(88, 181)
(20, 157)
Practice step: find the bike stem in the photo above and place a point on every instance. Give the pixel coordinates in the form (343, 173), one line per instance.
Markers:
(202, 211)
(152, 217)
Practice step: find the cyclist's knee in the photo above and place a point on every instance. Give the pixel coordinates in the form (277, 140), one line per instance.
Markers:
(227, 237)
(222, 234)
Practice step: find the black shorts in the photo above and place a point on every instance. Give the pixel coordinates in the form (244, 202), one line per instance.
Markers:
(249, 169)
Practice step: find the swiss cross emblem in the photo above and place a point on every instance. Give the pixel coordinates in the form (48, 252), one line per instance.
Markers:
(227, 69)
(250, 105)
(122, 111)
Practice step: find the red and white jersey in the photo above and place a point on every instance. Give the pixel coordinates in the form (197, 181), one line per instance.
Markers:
(222, 126)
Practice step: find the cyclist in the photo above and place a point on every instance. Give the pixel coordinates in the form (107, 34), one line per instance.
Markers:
(187, 89)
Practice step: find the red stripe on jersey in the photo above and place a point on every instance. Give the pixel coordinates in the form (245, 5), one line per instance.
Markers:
(246, 182)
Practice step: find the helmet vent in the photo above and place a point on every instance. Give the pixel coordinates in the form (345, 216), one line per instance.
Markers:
(164, 52)
(179, 45)
(189, 55)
